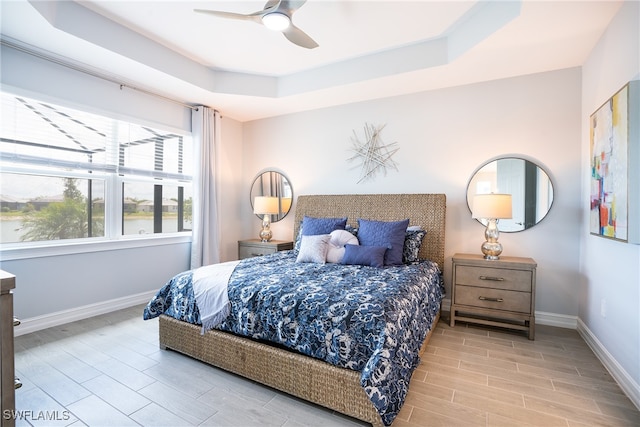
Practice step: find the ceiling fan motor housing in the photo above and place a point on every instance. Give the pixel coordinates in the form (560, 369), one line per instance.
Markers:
(276, 21)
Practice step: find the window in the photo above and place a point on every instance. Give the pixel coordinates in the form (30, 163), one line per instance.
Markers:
(146, 211)
(69, 174)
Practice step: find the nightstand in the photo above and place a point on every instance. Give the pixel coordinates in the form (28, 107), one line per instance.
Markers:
(8, 381)
(256, 247)
(494, 292)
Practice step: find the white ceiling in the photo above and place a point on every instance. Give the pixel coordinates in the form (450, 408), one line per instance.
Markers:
(367, 49)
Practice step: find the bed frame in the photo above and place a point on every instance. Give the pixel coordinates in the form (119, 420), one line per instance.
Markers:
(302, 376)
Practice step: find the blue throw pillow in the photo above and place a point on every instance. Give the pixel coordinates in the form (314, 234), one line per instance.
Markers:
(296, 245)
(313, 226)
(372, 256)
(383, 233)
(412, 244)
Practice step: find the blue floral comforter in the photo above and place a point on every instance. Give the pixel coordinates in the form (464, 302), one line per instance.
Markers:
(371, 320)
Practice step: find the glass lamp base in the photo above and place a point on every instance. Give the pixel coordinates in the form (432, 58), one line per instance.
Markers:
(491, 250)
(265, 233)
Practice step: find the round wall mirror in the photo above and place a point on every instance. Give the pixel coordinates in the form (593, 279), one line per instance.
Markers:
(530, 187)
(273, 184)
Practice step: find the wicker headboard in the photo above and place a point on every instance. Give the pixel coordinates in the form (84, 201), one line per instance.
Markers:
(426, 210)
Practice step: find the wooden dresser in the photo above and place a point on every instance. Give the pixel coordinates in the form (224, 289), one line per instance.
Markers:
(256, 247)
(8, 382)
(494, 292)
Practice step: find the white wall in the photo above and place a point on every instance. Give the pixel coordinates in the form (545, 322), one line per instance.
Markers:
(43, 79)
(610, 270)
(50, 285)
(444, 135)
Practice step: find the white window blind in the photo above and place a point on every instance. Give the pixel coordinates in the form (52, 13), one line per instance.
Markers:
(47, 135)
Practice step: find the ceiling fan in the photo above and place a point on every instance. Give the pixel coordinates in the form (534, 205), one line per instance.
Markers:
(277, 16)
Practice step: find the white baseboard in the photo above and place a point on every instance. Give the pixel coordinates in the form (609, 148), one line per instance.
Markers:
(555, 319)
(45, 321)
(624, 380)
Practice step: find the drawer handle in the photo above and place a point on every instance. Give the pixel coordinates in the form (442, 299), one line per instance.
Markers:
(481, 298)
(492, 278)
(256, 254)
(16, 321)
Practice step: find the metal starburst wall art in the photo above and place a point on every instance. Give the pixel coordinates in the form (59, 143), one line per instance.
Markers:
(373, 153)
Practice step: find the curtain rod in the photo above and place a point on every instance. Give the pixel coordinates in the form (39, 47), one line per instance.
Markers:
(89, 72)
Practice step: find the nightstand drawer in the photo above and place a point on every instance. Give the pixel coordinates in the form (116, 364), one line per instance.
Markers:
(498, 278)
(496, 299)
(255, 247)
(251, 251)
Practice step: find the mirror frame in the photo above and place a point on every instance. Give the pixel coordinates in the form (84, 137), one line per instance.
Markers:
(260, 188)
(552, 191)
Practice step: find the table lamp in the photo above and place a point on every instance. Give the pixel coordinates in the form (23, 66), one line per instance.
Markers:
(266, 206)
(491, 207)
(285, 203)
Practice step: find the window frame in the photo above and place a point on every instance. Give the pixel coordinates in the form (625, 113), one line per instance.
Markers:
(113, 182)
(121, 180)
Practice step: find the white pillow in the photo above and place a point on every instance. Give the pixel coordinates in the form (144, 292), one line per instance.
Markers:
(314, 248)
(339, 238)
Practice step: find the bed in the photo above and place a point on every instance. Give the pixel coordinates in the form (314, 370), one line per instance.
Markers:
(311, 378)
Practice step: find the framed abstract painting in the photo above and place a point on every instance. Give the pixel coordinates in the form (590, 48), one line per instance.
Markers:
(615, 166)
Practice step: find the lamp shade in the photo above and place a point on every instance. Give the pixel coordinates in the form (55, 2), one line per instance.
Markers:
(286, 204)
(263, 205)
(491, 206)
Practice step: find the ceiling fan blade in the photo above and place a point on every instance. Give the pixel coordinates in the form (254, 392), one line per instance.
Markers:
(239, 16)
(299, 37)
(270, 4)
(290, 6)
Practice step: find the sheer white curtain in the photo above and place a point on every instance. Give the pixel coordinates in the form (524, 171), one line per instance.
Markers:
(205, 126)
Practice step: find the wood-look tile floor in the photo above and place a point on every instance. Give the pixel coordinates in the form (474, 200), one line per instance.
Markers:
(109, 371)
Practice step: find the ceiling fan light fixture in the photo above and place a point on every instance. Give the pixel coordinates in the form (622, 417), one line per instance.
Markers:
(276, 21)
